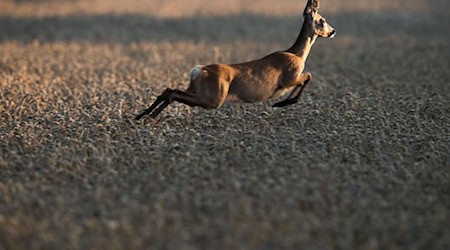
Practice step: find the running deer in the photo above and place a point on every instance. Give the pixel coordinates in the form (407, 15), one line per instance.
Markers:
(273, 76)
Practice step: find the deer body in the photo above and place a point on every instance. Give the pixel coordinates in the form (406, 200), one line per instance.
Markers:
(253, 81)
(272, 76)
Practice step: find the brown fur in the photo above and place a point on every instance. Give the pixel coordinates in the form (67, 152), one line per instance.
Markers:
(214, 85)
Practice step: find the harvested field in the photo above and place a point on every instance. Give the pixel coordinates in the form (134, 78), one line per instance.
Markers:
(361, 162)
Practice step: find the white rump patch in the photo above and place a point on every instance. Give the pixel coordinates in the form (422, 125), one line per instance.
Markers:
(195, 71)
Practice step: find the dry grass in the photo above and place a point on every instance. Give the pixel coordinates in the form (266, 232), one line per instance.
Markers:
(362, 162)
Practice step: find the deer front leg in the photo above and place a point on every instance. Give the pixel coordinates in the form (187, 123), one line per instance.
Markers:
(300, 84)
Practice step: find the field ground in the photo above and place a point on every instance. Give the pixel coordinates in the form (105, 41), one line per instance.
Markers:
(361, 162)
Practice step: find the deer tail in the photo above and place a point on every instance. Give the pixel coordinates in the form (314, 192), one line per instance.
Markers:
(195, 72)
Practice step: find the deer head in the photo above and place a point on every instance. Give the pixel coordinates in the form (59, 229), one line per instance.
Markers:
(315, 21)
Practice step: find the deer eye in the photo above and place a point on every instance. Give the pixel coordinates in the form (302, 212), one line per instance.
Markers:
(322, 20)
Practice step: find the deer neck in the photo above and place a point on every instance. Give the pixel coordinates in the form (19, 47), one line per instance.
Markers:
(304, 42)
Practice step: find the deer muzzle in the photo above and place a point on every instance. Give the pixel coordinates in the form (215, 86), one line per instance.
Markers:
(332, 34)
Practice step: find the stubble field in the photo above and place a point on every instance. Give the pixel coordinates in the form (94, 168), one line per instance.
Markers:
(361, 162)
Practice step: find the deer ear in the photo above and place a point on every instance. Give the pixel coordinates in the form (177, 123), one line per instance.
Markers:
(311, 6)
(315, 5)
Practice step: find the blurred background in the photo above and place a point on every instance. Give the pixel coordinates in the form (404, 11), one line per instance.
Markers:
(143, 20)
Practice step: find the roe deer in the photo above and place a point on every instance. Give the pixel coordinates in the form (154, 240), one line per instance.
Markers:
(272, 76)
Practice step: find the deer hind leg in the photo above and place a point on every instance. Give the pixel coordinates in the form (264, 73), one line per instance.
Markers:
(169, 96)
(158, 100)
(207, 100)
(300, 84)
(185, 98)
(208, 95)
